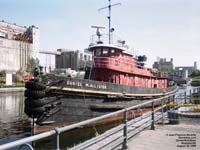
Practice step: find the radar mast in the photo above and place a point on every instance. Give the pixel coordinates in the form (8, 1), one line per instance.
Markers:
(109, 18)
(98, 34)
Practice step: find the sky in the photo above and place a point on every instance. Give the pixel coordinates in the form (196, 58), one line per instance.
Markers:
(155, 28)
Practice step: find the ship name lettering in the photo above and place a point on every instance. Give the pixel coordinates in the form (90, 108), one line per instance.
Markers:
(97, 86)
(101, 86)
(73, 83)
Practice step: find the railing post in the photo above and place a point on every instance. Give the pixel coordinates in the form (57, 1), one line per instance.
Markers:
(57, 139)
(169, 100)
(162, 111)
(125, 144)
(174, 100)
(185, 97)
(152, 117)
(190, 96)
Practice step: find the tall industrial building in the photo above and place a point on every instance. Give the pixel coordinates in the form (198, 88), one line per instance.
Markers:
(17, 44)
(162, 64)
(71, 59)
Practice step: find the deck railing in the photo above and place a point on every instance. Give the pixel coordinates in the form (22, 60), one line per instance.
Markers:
(125, 128)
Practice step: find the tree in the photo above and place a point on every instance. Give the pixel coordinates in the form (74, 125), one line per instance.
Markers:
(32, 64)
(167, 70)
(84, 63)
(79, 75)
(2, 77)
(195, 73)
(2, 73)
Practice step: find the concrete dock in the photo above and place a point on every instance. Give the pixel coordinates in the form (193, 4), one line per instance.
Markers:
(184, 136)
(12, 89)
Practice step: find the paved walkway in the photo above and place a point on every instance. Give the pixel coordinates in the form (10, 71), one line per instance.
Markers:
(168, 137)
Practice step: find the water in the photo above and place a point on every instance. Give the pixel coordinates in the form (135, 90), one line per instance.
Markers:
(14, 123)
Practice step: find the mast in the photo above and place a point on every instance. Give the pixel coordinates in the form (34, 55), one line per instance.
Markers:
(109, 18)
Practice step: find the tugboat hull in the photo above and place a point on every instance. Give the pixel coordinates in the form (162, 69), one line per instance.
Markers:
(68, 100)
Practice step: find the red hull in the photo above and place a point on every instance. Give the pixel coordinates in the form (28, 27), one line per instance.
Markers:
(112, 64)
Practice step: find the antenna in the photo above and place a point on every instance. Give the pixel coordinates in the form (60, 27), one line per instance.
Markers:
(109, 17)
(98, 32)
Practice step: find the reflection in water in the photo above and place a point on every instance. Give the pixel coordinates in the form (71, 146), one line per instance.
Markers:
(75, 136)
(13, 122)
(14, 125)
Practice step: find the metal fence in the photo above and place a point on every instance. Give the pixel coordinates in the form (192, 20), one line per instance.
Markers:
(132, 124)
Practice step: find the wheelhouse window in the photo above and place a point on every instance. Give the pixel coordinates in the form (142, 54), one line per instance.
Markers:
(105, 51)
(98, 52)
(112, 51)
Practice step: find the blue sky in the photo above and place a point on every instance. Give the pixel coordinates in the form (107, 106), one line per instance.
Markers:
(157, 28)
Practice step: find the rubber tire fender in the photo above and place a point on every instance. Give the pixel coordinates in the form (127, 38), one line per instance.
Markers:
(39, 102)
(35, 94)
(34, 85)
(34, 111)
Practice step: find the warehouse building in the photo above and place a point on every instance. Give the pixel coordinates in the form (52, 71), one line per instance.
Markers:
(185, 71)
(17, 44)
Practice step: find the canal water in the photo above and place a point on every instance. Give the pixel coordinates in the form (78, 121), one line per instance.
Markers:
(14, 125)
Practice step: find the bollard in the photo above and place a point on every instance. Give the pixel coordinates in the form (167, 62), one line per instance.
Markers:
(152, 117)
(57, 139)
(125, 144)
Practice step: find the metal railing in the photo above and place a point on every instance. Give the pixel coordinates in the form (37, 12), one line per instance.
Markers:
(130, 127)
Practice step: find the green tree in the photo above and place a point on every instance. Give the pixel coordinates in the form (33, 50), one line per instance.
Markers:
(167, 70)
(79, 75)
(32, 64)
(195, 73)
(2, 77)
(84, 63)
(2, 73)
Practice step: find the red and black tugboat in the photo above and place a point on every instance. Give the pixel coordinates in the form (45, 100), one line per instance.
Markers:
(116, 80)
